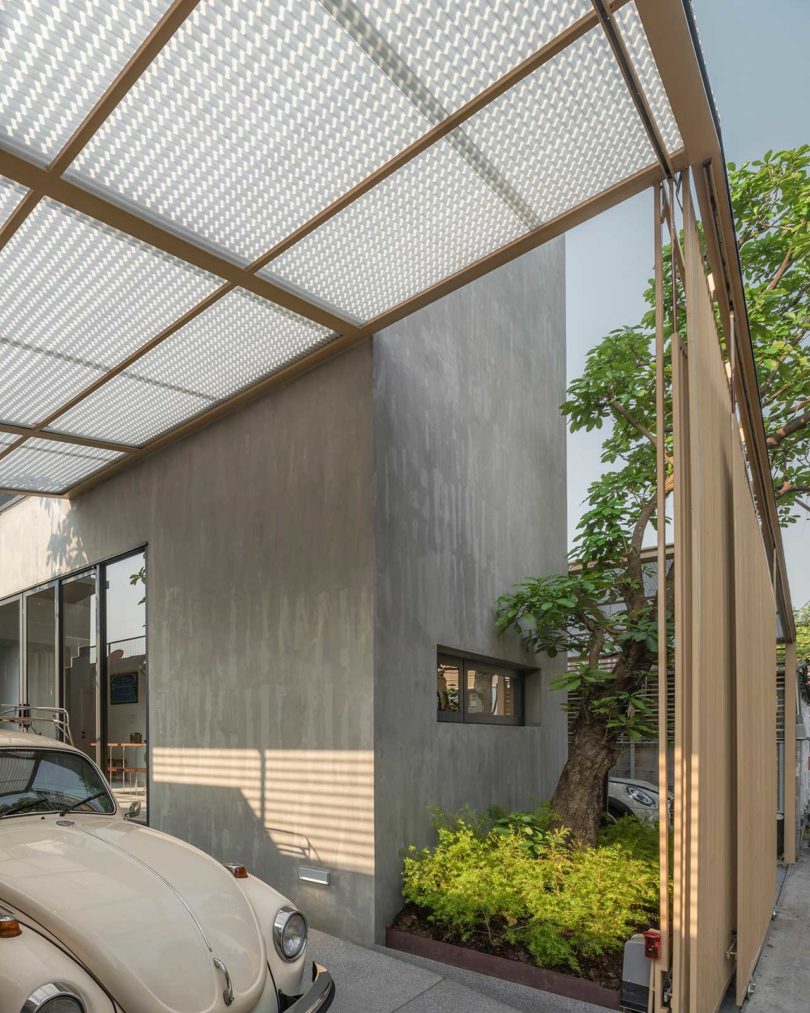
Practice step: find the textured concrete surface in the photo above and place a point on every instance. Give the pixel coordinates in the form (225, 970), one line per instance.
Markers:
(470, 471)
(259, 536)
(384, 981)
(306, 556)
(782, 978)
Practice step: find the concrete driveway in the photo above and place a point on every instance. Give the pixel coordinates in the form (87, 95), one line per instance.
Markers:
(782, 978)
(382, 981)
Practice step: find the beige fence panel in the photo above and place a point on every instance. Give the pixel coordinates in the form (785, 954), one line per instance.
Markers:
(683, 680)
(705, 865)
(755, 621)
(791, 758)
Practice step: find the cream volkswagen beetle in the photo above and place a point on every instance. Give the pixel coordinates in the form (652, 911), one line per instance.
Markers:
(99, 914)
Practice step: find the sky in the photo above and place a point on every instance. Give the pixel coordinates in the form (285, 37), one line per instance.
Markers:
(756, 57)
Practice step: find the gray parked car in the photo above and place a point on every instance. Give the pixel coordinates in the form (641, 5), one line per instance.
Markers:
(628, 796)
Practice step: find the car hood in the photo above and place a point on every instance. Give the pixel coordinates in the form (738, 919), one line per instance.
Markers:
(146, 913)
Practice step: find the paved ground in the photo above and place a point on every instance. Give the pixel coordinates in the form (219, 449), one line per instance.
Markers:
(782, 978)
(382, 981)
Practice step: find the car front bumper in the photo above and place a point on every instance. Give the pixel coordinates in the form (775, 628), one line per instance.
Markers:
(317, 999)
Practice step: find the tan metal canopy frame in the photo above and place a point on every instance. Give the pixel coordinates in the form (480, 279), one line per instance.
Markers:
(674, 50)
(713, 477)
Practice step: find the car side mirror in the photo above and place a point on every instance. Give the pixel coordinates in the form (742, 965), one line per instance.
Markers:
(134, 811)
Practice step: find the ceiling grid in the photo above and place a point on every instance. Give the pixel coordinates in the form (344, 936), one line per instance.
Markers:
(200, 198)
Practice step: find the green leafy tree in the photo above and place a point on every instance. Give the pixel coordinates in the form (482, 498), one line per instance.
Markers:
(601, 609)
(801, 617)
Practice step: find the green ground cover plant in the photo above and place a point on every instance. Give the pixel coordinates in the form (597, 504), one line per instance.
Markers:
(512, 883)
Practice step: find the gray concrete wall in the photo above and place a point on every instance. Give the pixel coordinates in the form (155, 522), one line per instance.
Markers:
(260, 600)
(306, 556)
(471, 497)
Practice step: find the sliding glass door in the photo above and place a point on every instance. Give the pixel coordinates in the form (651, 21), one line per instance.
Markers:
(10, 635)
(41, 623)
(80, 687)
(79, 643)
(125, 711)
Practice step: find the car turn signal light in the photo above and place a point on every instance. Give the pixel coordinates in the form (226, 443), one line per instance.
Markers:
(237, 871)
(9, 927)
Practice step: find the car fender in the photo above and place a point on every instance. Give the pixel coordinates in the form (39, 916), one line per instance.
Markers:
(266, 902)
(30, 960)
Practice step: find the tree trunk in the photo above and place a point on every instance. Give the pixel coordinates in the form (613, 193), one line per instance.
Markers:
(578, 799)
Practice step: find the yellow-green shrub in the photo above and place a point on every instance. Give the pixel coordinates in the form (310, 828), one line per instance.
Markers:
(562, 904)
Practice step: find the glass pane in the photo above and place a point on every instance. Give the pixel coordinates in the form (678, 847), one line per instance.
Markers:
(431, 218)
(48, 466)
(57, 59)
(565, 133)
(10, 653)
(79, 688)
(10, 196)
(129, 410)
(126, 751)
(254, 117)
(34, 384)
(40, 779)
(491, 693)
(448, 683)
(454, 49)
(235, 342)
(80, 290)
(635, 39)
(40, 652)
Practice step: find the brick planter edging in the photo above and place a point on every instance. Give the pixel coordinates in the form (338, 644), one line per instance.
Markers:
(500, 967)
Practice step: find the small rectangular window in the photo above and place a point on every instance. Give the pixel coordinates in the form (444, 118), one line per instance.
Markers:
(448, 689)
(478, 692)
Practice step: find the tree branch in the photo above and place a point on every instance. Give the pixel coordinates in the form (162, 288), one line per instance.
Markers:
(778, 436)
(788, 487)
(634, 552)
(796, 340)
(781, 270)
(625, 414)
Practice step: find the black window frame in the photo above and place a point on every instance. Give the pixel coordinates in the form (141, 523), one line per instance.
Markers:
(465, 662)
(99, 570)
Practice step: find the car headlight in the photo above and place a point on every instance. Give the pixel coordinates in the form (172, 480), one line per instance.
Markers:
(290, 933)
(640, 796)
(53, 998)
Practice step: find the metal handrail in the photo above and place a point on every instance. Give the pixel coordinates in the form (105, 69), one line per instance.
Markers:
(27, 716)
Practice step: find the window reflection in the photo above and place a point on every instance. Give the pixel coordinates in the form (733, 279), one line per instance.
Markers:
(468, 689)
(40, 651)
(10, 653)
(448, 689)
(79, 685)
(491, 693)
(126, 747)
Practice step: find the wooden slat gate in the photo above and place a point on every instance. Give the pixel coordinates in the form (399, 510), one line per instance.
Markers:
(755, 620)
(725, 672)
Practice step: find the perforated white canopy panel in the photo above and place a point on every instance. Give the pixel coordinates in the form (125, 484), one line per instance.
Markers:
(220, 189)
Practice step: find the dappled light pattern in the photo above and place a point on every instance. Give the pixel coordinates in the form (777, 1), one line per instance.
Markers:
(315, 805)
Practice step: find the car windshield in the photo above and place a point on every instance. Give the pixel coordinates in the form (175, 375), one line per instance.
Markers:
(39, 780)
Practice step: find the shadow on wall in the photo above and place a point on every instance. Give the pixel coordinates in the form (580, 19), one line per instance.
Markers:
(65, 551)
(315, 806)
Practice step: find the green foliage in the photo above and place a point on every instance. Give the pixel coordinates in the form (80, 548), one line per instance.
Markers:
(601, 610)
(532, 827)
(638, 839)
(801, 617)
(560, 614)
(521, 882)
(771, 200)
